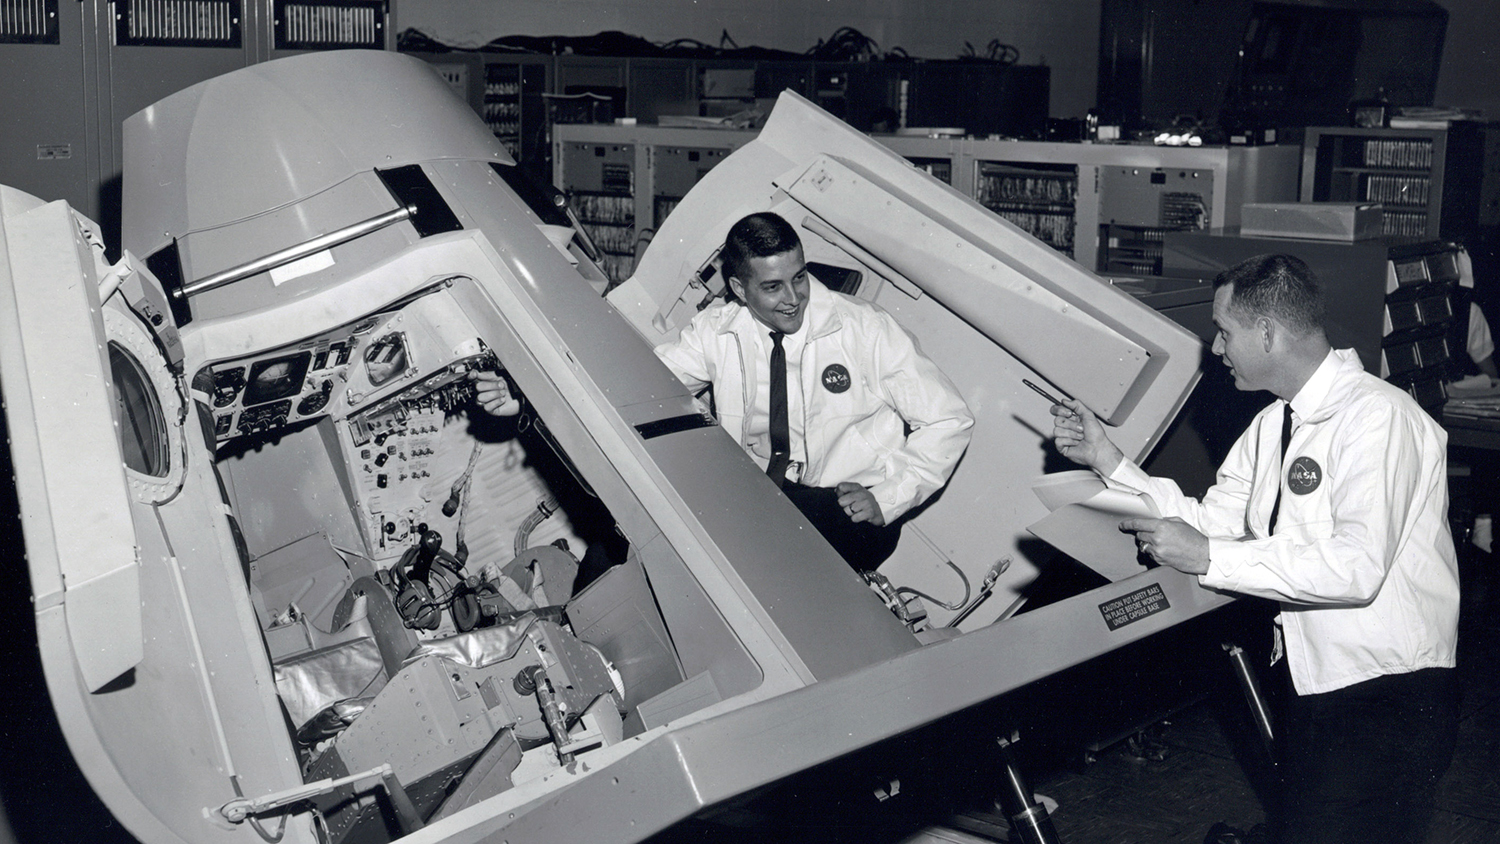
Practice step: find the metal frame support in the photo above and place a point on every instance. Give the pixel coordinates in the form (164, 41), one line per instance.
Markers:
(1028, 817)
(1259, 712)
(242, 809)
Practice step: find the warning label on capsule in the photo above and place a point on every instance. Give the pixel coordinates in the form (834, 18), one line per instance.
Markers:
(1134, 607)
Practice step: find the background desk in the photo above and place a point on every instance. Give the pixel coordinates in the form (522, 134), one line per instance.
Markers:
(1466, 432)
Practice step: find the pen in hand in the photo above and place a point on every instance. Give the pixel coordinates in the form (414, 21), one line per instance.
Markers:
(1048, 396)
(1043, 393)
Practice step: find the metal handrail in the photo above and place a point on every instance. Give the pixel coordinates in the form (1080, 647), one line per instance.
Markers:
(294, 253)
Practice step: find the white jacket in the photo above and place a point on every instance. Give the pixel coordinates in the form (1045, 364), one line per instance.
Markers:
(853, 435)
(1362, 560)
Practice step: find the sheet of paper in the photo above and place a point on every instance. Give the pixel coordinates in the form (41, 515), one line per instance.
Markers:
(1085, 521)
(1060, 488)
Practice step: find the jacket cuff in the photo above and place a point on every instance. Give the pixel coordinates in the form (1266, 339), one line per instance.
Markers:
(1129, 476)
(892, 506)
(1226, 557)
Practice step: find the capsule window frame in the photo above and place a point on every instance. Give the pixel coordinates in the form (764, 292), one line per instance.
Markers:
(126, 333)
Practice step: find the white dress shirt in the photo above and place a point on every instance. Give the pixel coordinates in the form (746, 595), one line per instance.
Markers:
(758, 413)
(1480, 344)
(863, 382)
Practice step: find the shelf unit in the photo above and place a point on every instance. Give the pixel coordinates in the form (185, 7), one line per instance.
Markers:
(646, 88)
(507, 93)
(623, 181)
(602, 192)
(512, 104)
(1418, 349)
(1106, 206)
(1138, 208)
(675, 169)
(1427, 180)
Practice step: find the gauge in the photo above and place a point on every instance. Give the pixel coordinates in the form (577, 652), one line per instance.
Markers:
(385, 359)
(276, 378)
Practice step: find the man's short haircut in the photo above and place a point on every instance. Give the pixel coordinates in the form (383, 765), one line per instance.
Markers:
(759, 235)
(1279, 286)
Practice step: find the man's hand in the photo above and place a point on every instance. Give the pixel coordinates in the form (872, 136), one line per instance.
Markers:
(493, 393)
(1080, 437)
(859, 504)
(1171, 542)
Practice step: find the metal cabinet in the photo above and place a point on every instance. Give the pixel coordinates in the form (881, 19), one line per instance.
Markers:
(623, 181)
(1106, 206)
(1389, 299)
(49, 133)
(75, 70)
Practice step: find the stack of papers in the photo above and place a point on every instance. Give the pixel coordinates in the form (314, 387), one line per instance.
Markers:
(1475, 397)
(1429, 117)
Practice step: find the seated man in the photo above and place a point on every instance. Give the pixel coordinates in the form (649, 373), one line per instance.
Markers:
(828, 417)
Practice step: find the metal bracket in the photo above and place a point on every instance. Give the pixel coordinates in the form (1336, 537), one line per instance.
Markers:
(241, 809)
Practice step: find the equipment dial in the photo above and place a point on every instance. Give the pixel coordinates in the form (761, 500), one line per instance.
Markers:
(314, 402)
(227, 385)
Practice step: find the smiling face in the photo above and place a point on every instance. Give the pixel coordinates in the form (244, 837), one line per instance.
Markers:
(775, 289)
(1242, 345)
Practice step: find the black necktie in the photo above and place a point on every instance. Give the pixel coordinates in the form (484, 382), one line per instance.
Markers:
(1286, 440)
(781, 433)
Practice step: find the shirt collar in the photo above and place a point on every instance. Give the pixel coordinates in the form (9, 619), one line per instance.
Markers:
(790, 343)
(820, 319)
(1315, 391)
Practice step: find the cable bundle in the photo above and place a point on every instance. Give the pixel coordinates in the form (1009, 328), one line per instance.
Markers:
(846, 44)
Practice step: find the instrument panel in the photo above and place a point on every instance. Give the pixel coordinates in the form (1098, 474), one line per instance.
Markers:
(263, 394)
(356, 369)
(387, 383)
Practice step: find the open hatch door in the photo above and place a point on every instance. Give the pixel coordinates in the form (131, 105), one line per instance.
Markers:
(990, 304)
(158, 678)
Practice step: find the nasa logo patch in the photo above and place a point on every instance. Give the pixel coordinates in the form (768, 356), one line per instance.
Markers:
(1304, 476)
(835, 378)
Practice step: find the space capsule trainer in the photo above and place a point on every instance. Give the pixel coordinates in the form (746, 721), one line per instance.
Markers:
(290, 583)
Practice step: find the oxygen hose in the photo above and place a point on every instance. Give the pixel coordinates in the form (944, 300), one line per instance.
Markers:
(545, 507)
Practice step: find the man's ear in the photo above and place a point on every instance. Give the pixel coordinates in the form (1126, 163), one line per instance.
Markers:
(1267, 328)
(737, 287)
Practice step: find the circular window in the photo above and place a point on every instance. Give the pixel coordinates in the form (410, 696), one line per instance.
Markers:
(148, 410)
(143, 430)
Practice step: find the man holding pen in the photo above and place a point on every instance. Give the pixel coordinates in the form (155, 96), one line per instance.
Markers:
(1333, 504)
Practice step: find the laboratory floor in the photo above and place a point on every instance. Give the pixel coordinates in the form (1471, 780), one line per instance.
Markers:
(1187, 773)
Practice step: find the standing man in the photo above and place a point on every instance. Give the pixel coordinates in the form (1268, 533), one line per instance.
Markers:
(1334, 504)
(820, 388)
